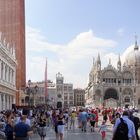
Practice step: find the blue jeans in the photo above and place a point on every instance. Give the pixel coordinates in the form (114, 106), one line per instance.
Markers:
(84, 125)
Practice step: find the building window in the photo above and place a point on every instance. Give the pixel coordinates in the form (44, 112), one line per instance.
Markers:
(134, 90)
(65, 88)
(65, 102)
(70, 93)
(139, 101)
(71, 102)
(65, 97)
(127, 99)
(59, 96)
(22, 101)
(70, 97)
(70, 88)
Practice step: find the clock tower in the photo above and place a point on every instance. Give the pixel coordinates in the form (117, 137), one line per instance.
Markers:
(59, 90)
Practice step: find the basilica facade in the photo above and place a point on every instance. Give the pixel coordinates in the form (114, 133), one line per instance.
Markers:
(115, 87)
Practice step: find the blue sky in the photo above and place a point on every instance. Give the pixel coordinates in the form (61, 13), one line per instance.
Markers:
(70, 32)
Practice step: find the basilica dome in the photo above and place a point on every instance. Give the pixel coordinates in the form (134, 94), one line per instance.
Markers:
(132, 55)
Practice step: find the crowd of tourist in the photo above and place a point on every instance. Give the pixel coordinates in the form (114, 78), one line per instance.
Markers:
(22, 124)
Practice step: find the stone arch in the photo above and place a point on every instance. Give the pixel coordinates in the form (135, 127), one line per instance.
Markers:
(111, 98)
(127, 91)
(109, 74)
(98, 92)
(27, 99)
(97, 97)
(127, 97)
(111, 93)
(127, 77)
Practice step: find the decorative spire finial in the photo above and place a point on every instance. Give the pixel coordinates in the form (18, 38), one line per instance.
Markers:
(136, 47)
(93, 60)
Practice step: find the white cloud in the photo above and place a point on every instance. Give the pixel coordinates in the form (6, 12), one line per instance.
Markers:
(73, 60)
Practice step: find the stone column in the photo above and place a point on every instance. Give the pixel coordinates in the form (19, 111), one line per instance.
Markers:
(6, 102)
(3, 101)
(10, 75)
(7, 74)
(14, 100)
(3, 71)
(11, 102)
(14, 78)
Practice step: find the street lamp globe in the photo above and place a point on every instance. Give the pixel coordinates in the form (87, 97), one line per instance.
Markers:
(29, 82)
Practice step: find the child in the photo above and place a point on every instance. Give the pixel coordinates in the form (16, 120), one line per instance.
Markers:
(102, 129)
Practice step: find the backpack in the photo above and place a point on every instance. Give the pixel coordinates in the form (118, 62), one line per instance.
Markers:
(121, 131)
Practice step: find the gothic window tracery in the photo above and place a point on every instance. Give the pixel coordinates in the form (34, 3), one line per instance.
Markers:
(109, 76)
(127, 77)
(127, 91)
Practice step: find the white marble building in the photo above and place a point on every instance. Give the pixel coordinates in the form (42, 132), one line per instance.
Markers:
(7, 75)
(115, 87)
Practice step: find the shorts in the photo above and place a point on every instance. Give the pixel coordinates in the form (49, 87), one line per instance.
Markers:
(42, 131)
(103, 134)
(92, 123)
(60, 129)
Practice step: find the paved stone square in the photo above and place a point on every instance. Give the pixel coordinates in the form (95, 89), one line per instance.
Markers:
(77, 134)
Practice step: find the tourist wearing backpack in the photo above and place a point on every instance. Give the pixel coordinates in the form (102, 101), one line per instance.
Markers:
(124, 128)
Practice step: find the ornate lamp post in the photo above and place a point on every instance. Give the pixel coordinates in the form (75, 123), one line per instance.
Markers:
(29, 92)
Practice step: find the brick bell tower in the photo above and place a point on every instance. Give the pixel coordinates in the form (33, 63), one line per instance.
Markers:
(12, 26)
